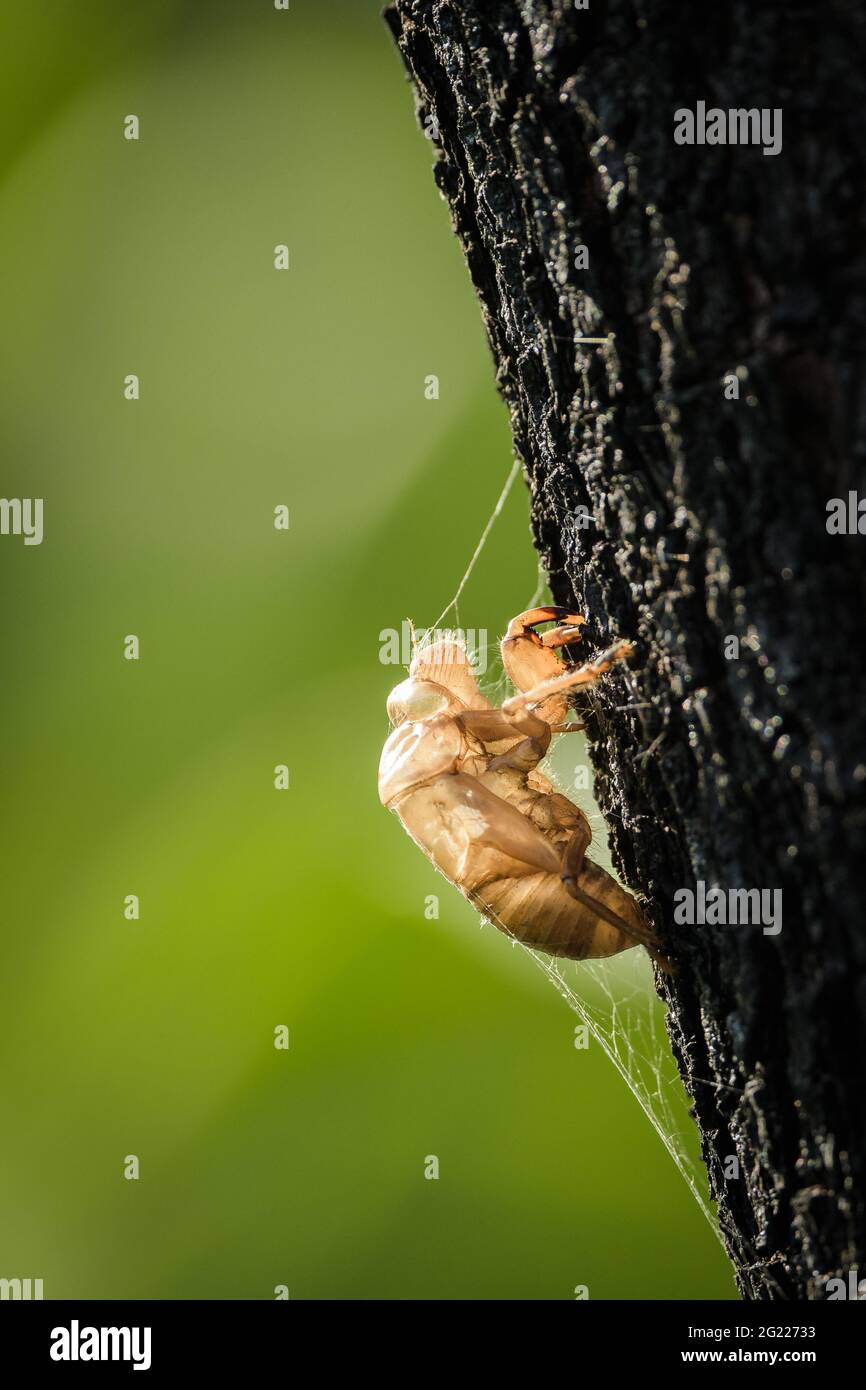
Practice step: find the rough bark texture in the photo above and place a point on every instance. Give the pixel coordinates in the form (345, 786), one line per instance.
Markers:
(554, 129)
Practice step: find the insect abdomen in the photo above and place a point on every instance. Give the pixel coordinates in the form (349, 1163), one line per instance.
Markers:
(539, 911)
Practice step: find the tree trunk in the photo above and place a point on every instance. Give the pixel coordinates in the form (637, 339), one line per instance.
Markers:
(736, 760)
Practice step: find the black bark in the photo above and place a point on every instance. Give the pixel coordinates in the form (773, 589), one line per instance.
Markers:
(553, 128)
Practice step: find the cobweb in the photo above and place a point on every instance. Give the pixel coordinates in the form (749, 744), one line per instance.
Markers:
(614, 998)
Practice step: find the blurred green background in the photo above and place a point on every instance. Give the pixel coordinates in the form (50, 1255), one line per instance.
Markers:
(409, 1037)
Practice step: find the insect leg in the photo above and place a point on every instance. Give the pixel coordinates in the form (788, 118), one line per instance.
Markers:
(562, 636)
(525, 622)
(580, 675)
(575, 853)
(598, 886)
(530, 657)
(493, 726)
(601, 909)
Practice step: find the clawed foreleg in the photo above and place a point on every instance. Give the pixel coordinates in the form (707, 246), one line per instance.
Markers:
(569, 680)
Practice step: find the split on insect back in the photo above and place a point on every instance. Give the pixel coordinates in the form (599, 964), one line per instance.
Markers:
(463, 777)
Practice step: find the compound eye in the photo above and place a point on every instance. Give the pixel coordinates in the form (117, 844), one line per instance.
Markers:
(416, 699)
